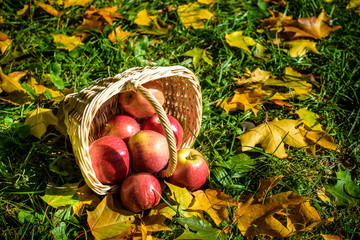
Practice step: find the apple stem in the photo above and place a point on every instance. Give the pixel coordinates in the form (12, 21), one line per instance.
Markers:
(190, 157)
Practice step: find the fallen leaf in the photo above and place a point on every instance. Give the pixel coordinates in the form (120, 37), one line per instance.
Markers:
(119, 36)
(278, 2)
(207, 2)
(273, 136)
(321, 193)
(317, 137)
(333, 237)
(214, 202)
(311, 27)
(266, 185)
(298, 48)
(237, 39)
(192, 16)
(257, 76)
(86, 198)
(276, 20)
(265, 216)
(310, 119)
(200, 229)
(60, 196)
(345, 190)
(199, 54)
(10, 83)
(56, 95)
(244, 99)
(5, 42)
(69, 43)
(109, 219)
(107, 13)
(70, 3)
(157, 27)
(49, 9)
(39, 119)
(23, 10)
(293, 82)
(143, 18)
(354, 4)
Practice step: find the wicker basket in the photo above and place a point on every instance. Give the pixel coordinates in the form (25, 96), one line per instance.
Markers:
(85, 113)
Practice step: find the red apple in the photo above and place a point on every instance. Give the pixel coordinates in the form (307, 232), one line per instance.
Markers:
(110, 159)
(191, 170)
(121, 126)
(148, 151)
(136, 105)
(140, 191)
(153, 123)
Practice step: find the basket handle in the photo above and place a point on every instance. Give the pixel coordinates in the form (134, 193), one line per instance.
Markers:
(169, 134)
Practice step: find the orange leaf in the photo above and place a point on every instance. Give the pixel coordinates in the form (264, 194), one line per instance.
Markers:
(119, 35)
(49, 9)
(107, 13)
(214, 202)
(311, 27)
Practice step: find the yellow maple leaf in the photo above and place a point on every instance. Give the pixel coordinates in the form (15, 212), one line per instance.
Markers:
(69, 42)
(311, 119)
(354, 4)
(293, 82)
(86, 197)
(49, 9)
(298, 48)
(199, 54)
(39, 119)
(192, 16)
(207, 2)
(5, 42)
(10, 83)
(272, 136)
(244, 99)
(237, 39)
(70, 3)
(311, 27)
(143, 18)
(41, 89)
(214, 202)
(257, 76)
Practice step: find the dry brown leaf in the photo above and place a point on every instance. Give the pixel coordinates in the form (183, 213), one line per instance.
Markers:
(107, 13)
(49, 9)
(214, 202)
(93, 23)
(273, 136)
(276, 20)
(266, 185)
(311, 27)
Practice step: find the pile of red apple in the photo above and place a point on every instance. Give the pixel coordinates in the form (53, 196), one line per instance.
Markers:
(131, 154)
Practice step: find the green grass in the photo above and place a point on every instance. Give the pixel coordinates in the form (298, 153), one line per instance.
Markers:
(27, 164)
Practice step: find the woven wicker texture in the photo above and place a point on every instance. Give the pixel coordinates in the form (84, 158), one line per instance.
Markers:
(85, 113)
